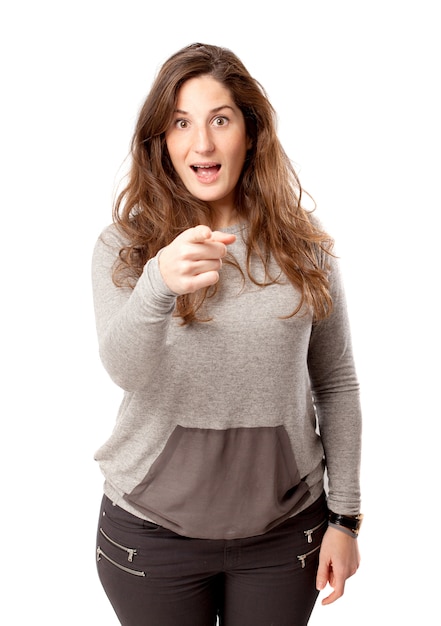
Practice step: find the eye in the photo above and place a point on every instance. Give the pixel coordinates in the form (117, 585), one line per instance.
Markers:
(220, 120)
(181, 123)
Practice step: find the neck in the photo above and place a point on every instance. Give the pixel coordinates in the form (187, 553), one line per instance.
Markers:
(225, 218)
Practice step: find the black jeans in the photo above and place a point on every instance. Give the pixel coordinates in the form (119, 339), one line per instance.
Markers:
(154, 577)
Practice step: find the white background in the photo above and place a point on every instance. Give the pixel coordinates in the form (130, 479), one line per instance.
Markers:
(356, 87)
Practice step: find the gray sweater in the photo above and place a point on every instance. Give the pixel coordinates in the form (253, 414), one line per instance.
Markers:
(227, 427)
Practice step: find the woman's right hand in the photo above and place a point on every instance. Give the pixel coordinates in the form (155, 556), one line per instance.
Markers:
(192, 261)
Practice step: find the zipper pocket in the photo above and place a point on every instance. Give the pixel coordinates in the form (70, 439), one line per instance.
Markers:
(131, 552)
(134, 572)
(308, 533)
(302, 557)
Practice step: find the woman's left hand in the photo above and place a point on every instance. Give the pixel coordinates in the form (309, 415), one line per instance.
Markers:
(339, 559)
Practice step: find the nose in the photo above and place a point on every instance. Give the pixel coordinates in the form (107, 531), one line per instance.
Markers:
(203, 141)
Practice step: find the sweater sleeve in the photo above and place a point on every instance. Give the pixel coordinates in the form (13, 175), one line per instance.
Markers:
(131, 323)
(335, 392)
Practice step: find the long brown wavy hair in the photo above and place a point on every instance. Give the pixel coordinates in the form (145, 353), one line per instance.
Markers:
(154, 206)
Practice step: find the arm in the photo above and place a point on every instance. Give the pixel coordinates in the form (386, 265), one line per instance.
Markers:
(336, 396)
(335, 391)
(132, 325)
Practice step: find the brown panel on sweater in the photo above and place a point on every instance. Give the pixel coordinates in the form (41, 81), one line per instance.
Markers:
(221, 484)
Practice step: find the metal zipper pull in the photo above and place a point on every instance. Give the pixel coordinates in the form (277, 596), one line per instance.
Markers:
(302, 557)
(131, 552)
(308, 533)
(100, 553)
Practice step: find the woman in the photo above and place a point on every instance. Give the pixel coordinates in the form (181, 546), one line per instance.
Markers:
(220, 312)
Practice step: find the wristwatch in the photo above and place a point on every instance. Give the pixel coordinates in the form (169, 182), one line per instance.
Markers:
(349, 522)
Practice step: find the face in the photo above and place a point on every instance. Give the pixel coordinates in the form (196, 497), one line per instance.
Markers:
(207, 142)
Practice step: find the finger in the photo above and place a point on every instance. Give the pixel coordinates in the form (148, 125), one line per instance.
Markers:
(205, 265)
(198, 234)
(338, 591)
(203, 234)
(225, 238)
(322, 577)
(200, 281)
(193, 252)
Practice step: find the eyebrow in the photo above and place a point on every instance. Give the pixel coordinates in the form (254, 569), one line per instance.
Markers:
(215, 110)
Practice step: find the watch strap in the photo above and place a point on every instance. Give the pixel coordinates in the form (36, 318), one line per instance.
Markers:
(349, 522)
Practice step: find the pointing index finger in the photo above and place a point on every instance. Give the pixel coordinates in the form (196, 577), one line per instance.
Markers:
(225, 238)
(202, 233)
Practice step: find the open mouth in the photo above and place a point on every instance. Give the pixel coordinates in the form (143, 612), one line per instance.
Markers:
(206, 170)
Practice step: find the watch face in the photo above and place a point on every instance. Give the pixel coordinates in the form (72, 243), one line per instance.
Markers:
(358, 526)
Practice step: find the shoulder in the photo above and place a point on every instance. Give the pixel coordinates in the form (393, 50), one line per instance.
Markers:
(110, 242)
(317, 223)
(324, 245)
(112, 236)
(107, 247)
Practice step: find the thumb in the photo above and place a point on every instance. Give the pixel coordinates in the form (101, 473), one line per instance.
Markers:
(198, 234)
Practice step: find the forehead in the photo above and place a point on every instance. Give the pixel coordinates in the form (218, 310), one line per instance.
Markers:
(203, 92)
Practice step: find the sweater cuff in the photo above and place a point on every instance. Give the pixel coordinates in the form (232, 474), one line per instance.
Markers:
(163, 297)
